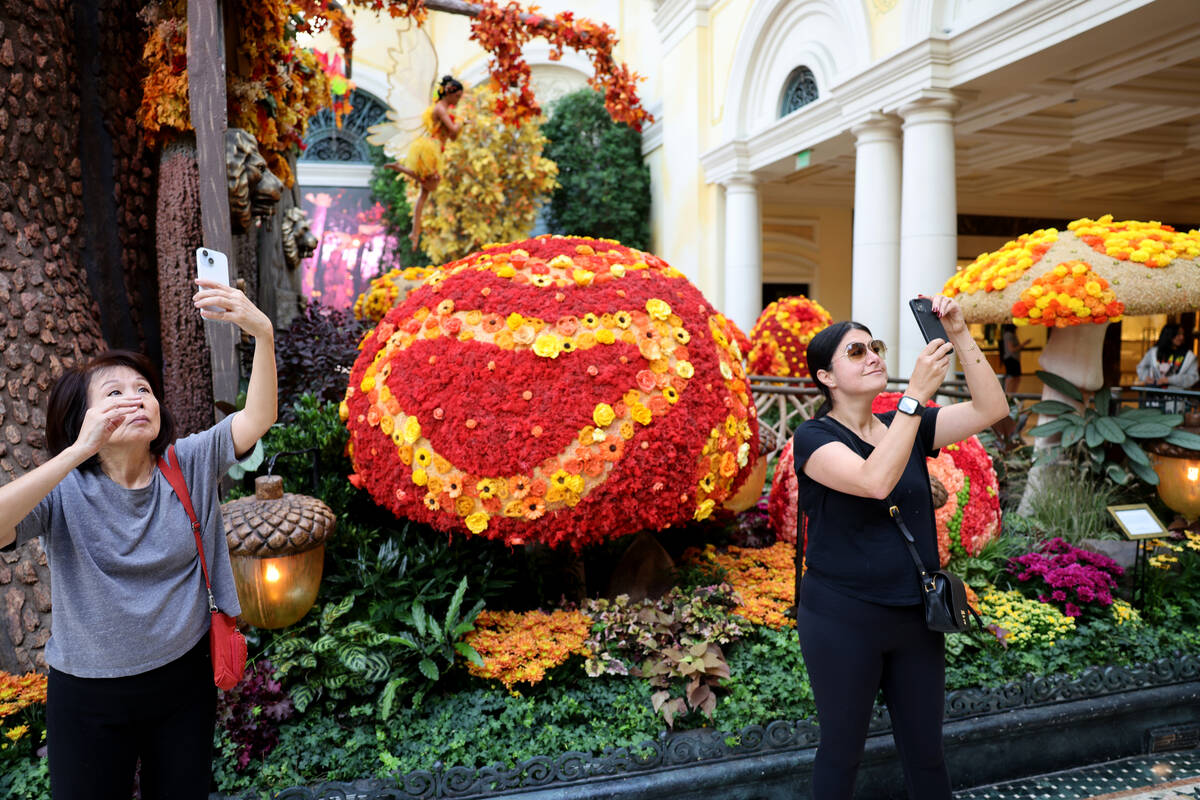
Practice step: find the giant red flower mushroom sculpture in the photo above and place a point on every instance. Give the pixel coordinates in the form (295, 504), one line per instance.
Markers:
(559, 390)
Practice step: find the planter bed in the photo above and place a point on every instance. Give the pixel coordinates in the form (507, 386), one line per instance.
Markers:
(1021, 729)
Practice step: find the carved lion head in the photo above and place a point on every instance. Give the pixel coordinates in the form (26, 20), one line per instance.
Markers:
(253, 189)
(298, 240)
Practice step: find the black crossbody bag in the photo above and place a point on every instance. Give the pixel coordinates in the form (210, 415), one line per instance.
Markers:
(943, 593)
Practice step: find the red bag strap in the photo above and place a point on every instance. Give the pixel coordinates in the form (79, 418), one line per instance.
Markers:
(169, 467)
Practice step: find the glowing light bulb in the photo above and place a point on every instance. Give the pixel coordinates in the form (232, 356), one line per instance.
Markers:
(272, 573)
(1193, 473)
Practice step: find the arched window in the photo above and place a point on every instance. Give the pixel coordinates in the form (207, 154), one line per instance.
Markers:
(327, 142)
(800, 90)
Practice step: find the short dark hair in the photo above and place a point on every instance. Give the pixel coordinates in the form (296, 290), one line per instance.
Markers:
(69, 402)
(821, 350)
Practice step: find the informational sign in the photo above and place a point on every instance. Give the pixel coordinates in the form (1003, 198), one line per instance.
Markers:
(1137, 521)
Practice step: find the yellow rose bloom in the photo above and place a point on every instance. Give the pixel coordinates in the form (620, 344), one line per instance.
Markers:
(412, 430)
(547, 346)
(657, 309)
(603, 415)
(477, 522)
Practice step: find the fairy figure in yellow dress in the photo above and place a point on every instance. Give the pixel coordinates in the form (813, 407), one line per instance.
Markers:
(423, 161)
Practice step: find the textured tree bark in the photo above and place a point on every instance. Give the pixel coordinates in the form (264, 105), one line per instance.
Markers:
(187, 372)
(47, 318)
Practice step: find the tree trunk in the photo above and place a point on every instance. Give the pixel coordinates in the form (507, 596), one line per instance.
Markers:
(187, 373)
(47, 318)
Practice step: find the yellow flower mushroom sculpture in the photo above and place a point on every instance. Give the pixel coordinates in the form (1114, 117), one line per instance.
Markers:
(1079, 280)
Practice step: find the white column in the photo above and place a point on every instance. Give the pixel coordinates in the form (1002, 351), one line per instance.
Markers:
(743, 252)
(876, 254)
(928, 211)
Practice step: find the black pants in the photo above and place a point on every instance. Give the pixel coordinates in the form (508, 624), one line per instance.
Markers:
(98, 728)
(852, 649)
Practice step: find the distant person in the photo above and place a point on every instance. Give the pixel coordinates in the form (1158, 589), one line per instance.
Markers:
(1010, 356)
(1171, 362)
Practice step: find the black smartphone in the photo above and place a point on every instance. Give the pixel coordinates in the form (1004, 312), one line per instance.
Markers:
(929, 323)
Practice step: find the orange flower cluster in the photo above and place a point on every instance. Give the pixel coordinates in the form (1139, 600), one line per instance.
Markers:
(780, 336)
(279, 88)
(503, 30)
(1069, 294)
(519, 648)
(18, 693)
(764, 578)
(1149, 243)
(992, 272)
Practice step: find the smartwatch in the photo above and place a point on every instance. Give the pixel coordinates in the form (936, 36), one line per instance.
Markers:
(909, 405)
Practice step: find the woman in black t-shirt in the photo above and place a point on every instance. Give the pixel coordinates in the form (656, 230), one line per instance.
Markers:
(860, 618)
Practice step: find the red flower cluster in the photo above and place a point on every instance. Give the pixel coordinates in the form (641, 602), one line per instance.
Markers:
(563, 390)
(971, 516)
(779, 339)
(782, 509)
(968, 520)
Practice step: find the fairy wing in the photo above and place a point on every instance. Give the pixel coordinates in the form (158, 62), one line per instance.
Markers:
(410, 87)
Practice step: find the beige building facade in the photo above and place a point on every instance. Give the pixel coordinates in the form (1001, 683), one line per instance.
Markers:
(860, 149)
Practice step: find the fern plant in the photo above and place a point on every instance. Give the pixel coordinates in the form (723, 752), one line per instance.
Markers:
(337, 659)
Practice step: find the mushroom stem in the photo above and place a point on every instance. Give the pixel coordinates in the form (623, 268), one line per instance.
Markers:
(1073, 353)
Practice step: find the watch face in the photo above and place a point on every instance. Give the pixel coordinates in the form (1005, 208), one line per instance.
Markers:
(908, 405)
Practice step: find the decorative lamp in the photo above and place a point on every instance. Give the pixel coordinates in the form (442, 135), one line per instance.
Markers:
(1178, 470)
(277, 548)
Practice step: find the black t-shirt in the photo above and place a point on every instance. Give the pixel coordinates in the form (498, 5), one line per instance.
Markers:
(853, 545)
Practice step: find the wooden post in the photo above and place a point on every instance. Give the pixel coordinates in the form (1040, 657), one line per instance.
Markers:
(206, 95)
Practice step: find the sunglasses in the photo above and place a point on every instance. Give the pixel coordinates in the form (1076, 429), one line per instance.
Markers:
(857, 351)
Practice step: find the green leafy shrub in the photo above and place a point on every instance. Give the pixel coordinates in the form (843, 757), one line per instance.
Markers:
(1103, 436)
(313, 445)
(603, 183)
(674, 640)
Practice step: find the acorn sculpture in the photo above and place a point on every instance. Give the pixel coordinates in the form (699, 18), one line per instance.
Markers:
(277, 548)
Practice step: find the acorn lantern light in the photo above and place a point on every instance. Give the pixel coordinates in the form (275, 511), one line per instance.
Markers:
(277, 549)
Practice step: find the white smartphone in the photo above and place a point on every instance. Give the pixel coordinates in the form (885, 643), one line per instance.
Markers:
(212, 265)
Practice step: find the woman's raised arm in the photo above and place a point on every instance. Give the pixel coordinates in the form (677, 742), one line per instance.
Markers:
(262, 395)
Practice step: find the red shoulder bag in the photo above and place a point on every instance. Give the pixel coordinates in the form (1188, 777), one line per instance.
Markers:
(226, 642)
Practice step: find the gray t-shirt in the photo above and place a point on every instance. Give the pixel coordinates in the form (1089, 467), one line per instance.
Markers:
(127, 587)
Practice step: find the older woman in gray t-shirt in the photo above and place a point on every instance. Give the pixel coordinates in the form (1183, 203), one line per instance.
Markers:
(130, 674)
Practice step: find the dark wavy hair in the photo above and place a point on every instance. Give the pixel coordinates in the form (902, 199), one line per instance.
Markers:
(69, 402)
(449, 85)
(821, 350)
(1166, 345)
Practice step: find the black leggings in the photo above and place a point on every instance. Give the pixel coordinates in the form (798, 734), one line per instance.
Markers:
(852, 649)
(97, 728)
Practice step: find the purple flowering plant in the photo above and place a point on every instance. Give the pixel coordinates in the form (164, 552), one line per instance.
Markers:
(1070, 577)
(252, 712)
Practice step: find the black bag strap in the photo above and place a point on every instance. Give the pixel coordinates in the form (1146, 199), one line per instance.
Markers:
(893, 510)
(927, 581)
